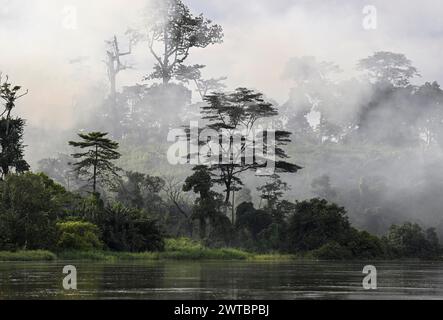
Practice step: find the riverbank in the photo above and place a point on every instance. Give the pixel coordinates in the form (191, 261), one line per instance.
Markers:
(175, 249)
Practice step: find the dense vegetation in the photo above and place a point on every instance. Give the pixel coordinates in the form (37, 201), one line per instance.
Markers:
(116, 195)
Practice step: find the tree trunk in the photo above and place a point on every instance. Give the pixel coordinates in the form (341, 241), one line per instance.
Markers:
(95, 170)
(202, 228)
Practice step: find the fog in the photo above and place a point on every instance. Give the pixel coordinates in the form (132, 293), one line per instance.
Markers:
(56, 49)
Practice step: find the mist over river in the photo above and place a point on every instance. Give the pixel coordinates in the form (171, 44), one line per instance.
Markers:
(222, 280)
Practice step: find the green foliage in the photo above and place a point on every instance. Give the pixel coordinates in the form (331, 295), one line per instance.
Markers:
(96, 162)
(11, 131)
(332, 251)
(78, 235)
(315, 223)
(184, 248)
(251, 220)
(27, 255)
(11, 146)
(410, 241)
(29, 206)
(273, 190)
(140, 191)
(180, 244)
(323, 229)
(129, 229)
(363, 245)
(209, 203)
(177, 30)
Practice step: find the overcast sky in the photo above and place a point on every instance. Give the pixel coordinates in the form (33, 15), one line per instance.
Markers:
(60, 60)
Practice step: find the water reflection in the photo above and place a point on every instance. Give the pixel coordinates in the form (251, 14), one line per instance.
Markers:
(220, 280)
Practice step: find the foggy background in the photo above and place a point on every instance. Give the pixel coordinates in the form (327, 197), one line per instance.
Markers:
(56, 50)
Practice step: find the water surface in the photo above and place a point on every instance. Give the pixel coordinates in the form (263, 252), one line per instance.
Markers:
(221, 280)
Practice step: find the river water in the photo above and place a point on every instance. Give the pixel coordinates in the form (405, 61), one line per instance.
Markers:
(221, 280)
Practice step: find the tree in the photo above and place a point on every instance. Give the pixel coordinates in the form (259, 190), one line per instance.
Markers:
(140, 191)
(11, 131)
(207, 205)
(252, 220)
(409, 240)
(96, 161)
(129, 229)
(193, 73)
(29, 208)
(173, 30)
(179, 203)
(322, 188)
(234, 116)
(113, 62)
(315, 223)
(114, 66)
(314, 92)
(59, 169)
(272, 191)
(430, 114)
(388, 67)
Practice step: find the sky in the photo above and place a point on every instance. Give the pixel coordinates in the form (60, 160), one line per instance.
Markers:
(56, 48)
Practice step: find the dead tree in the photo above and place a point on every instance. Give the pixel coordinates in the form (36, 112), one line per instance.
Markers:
(114, 64)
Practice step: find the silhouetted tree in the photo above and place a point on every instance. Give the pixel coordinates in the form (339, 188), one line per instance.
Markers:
(207, 205)
(175, 30)
(11, 131)
(96, 161)
(272, 191)
(388, 67)
(234, 116)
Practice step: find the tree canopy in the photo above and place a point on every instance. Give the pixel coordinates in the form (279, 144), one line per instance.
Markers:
(96, 161)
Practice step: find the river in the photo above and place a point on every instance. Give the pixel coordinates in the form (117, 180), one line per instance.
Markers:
(221, 280)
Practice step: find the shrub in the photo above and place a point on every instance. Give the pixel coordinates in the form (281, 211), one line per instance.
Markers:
(316, 223)
(29, 205)
(27, 255)
(78, 235)
(129, 229)
(364, 245)
(252, 220)
(410, 241)
(332, 251)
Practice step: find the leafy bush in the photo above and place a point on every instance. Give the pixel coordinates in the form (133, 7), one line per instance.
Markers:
(185, 248)
(332, 251)
(78, 235)
(180, 244)
(27, 255)
(315, 223)
(128, 229)
(29, 207)
(364, 245)
(252, 220)
(410, 241)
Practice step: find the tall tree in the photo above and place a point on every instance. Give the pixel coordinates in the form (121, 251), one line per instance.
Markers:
(96, 161)
(11, 131)
(315, 94)
(388, 67)
(208, 203)
(235, 116)
(272, 191)
(173, 30)
(113, 63)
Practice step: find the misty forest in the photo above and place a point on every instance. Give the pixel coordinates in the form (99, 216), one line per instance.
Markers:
(358, 171)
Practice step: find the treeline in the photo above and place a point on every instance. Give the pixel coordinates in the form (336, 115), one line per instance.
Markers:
(36, 213)
(85, 201)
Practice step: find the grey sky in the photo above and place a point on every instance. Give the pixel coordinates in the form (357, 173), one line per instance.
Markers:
(60, 66)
